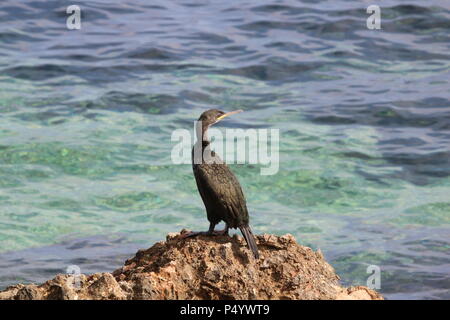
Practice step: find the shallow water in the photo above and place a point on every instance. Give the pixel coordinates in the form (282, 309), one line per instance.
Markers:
(86, 118)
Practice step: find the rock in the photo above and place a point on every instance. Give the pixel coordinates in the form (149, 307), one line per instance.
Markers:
(358, 293)
(106, 288)
(206, 268)
(30, 292)
(10, 292)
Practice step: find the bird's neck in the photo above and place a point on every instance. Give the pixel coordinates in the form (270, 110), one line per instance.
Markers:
(202, 134)
(201, 151)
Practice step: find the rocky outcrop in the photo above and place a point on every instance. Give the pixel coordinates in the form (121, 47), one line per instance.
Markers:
(206, 268)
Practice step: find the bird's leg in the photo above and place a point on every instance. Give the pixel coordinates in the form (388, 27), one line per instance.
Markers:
(223, 232)
(210, 232)
(191, 234)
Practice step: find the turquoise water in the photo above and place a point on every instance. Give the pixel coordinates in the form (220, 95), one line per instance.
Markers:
(86, 119)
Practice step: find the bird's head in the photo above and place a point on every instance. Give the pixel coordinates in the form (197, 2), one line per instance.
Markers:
(213, 116)
(210, 117)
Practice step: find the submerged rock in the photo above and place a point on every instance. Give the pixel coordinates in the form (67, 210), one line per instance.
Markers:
(206, 268)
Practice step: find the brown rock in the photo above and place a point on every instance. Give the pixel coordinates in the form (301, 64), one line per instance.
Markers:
(30, 292)
(10, 292)
(106, 288)
(207, 268)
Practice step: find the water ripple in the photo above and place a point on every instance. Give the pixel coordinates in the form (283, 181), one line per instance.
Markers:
(87, 116)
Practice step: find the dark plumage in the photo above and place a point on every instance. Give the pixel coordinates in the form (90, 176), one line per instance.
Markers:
(218, 186)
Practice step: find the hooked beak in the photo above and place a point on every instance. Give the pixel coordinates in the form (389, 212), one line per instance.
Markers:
(228, 114)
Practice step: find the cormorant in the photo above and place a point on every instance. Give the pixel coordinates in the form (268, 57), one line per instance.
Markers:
(218, 186)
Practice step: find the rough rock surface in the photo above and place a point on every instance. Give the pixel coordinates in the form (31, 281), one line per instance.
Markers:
(206, 268)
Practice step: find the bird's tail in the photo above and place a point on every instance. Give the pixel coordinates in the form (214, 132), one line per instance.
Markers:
(248, 235)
